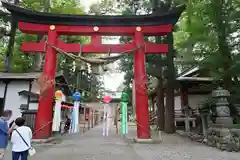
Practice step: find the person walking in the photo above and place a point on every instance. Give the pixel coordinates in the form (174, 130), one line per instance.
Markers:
(67, 125)
(21, 140)
(11, 125)
(4, 131)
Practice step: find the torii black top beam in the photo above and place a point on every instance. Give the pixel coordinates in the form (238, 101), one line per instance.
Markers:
(27, 15)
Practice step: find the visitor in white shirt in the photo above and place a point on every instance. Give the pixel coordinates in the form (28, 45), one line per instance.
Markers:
(21, 140)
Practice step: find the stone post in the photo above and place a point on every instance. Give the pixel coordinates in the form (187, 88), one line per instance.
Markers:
(204, 117)
(186, 112)
(222, 107)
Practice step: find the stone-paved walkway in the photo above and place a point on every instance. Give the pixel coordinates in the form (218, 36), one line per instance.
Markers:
(93, 146)
(90, 146)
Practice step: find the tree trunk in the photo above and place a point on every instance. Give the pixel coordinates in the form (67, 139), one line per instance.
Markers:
(160, 7)
(169, 126)
(220, 20)
(188, 56)
(160, 105)
(153, 107)
(221, 23)
(38, 58)
(160, 94)
(9, 54)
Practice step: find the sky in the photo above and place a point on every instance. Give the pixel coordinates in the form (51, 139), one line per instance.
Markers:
(87, 3)
(113, 80)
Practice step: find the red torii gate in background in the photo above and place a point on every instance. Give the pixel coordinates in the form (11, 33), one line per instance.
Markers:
(53, 26)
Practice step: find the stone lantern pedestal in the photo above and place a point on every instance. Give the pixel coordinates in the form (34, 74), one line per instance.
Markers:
(222, 107)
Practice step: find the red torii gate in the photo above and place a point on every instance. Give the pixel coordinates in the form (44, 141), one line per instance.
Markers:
(55, 25)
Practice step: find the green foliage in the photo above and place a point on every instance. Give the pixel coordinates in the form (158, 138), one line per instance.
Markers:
(22, 62)
(208, 29)
(103, 7)
(25, 63)
(205, 32)
(66, 7)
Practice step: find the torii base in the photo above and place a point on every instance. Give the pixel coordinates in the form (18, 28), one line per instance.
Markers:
(143, 141)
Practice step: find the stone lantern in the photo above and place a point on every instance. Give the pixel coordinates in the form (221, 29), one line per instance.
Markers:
(222, 107)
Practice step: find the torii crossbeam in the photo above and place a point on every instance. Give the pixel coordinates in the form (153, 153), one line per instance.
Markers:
(53, 26)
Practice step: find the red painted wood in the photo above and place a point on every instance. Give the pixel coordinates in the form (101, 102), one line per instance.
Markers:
(94, 48)
(33, 47)
(140, 79)
(45, 105)
(32, 28)
(97, 40)
(44, 114)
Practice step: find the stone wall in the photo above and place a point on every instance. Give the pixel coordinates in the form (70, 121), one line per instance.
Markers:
(224, 139)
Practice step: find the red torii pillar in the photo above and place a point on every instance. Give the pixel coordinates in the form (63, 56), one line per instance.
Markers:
(44, 114)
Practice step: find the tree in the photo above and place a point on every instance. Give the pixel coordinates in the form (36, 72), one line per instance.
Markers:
(207, 35)
(214, 34)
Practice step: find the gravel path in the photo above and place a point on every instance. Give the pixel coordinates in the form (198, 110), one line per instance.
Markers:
(178, 148)
(175, 147)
